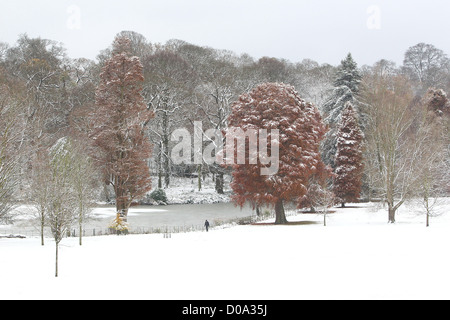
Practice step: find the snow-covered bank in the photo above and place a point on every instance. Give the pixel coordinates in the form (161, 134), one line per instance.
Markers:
(185, 191)
(357, 256)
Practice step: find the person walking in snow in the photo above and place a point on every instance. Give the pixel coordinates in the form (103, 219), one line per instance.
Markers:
(207, 225)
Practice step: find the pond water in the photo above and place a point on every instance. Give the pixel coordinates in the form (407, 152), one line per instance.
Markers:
(172, 215)
(145, 218)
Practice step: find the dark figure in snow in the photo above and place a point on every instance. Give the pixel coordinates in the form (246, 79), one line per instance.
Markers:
(207, 225)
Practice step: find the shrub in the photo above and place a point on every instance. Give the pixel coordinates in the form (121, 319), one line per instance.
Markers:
(118, 226)
(159, 195)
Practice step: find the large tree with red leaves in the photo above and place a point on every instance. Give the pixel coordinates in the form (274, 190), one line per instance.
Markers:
(119, 127)
(349, 158)
(277, 106)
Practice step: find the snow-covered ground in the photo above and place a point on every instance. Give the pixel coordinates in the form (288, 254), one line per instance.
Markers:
(357, 256)
(185, 190)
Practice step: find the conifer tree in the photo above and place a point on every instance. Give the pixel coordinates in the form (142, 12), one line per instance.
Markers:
(348, 74)
(278, 106)
(349, 162)
(346, 90)
(119, 127)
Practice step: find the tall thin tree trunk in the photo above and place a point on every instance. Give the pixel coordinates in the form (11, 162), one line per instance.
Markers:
(80, 222)
(219, 182)
(258, 210)
(165, 145)
(42, 230)
(106, 191)
(160, 161)
(56, 260)
(280, 215)
(166, 171)
(160, 178)
(81, 234)
(199, 172)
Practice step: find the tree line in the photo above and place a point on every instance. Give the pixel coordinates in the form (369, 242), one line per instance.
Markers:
(379, 124)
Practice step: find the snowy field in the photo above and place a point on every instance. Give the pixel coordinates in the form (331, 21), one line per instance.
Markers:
(357, 256)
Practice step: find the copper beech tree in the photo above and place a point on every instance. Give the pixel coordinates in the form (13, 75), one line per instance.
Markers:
(119, 127)
(277, 106)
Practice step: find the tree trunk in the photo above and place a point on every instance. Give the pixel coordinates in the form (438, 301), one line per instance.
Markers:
(219, 183)
(199, 172)
(342, 204)
(106, 191)
(391, 211)
(165, 145)
(160, 178)
(280, 216)
(166, 172)
(122, 208)
(42, 230)
(56, 260)
(427, 207)
(81, 234)
(160, 162)
(80, 221)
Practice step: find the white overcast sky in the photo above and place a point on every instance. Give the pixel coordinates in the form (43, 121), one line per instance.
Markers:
(323, 30)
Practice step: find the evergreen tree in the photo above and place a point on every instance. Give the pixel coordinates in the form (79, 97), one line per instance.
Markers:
(348, 74)
(349, 165)
(346, 90)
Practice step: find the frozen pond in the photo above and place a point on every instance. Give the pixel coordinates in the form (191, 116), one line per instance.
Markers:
(172, 215)
(146, 217)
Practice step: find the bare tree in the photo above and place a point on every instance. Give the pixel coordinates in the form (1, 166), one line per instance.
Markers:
(140, 46)
(428, 190)
(40, 190)
(426, 65)
(169, 83)
(40, 64)
(222, 80)
(394, 139)
(433, 171)
(84, 183)
(3, 48)
(8, 180)
(319, 198)
(10, 131)
(314, 81)
(60, 215)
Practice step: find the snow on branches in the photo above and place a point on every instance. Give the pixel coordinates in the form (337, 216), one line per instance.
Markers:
(278, 106)
(119, 123)
(349, 157)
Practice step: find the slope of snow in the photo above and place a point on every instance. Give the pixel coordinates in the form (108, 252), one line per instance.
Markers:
(357, 256)
(185, 191)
